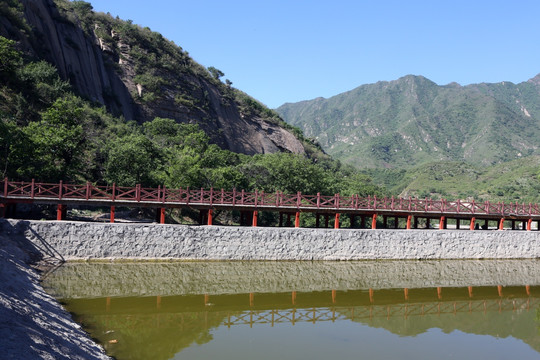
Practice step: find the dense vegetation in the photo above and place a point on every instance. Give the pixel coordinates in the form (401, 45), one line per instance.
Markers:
(49, 133)
(423, 140)
(413, 121)
(166, 76)
(514, 181)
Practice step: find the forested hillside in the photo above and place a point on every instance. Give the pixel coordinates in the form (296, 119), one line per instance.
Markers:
(139, 75)
(413, 121)
(420, 139)
(58, 122)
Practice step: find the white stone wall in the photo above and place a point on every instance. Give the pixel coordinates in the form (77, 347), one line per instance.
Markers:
(82, 240)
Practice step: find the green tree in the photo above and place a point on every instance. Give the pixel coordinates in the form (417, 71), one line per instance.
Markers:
(58, 140)
(15, 153)
(133, 159)
(10, 58)
(44, 81)
(163, 132)
(289, 173)
(184, 169)
(216, 73)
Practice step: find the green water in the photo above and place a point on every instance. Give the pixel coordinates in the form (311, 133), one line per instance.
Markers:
(290, 310)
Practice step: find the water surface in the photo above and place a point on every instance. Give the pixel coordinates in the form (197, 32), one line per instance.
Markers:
(300, 310)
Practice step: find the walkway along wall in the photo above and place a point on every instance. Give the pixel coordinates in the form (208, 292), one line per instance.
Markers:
(81, 240)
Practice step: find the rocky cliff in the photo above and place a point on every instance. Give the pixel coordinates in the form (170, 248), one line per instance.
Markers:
(139, 75)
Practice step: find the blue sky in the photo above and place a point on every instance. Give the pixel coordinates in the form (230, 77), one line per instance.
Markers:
(291, 50)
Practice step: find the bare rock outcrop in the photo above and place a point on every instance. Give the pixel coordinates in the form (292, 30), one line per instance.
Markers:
(102, 70)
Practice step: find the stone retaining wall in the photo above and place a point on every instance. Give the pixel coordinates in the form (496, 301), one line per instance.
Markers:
(82, 240)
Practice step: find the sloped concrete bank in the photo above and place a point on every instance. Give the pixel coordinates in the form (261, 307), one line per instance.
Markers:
(33, 325)
(80, 240)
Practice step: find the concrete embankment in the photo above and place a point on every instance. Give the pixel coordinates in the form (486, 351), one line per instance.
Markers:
(80, 240)
(32, 323)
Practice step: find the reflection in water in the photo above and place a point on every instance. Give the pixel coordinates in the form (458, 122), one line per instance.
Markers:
(473, 321)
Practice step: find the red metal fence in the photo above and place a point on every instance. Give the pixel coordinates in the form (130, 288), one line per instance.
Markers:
(16, 191)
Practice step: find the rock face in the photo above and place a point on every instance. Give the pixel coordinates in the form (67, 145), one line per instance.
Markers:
(103, 70)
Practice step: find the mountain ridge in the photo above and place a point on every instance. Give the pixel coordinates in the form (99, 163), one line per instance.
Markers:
(412, 120)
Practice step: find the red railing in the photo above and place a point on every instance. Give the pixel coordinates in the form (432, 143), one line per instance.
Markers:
(111, 193)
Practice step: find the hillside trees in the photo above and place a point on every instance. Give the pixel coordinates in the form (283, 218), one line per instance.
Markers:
(50, 134)
(58, 141)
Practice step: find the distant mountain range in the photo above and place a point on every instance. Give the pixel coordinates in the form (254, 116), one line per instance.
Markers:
(413, 121)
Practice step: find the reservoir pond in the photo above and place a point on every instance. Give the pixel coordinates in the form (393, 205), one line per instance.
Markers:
(484, 309)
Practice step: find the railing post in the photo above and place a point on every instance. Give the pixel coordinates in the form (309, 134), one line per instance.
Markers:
(210, 220)
(234, 196)
(336, 201)
(277, 198)
(318, 200)
(222, 195)
(242, 197)
(87, 190)
(32, 189)
(202, 196)
(159, 193)
(5, 187)
(374, 222)
(59, 212)
(256, 195)
(60, 190)
(211, 196)
(298, 196)
(138, 192)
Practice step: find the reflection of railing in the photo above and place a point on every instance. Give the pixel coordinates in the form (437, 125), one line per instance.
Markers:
(314, 315)
(293, 316)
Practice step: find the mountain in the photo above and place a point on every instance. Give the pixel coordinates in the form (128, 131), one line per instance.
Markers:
(138, 74)
(413, 121)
